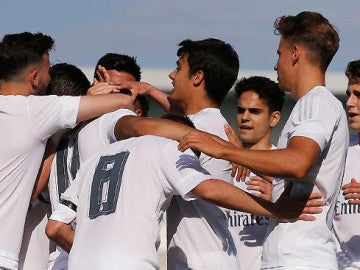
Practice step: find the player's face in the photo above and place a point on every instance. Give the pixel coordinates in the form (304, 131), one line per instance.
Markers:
(253, 120)
(43, 75)
(181, 80)
(353, 106)
(284, 65)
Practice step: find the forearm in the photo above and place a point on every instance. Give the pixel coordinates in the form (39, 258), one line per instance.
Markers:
(132, 126)
(159, 96)
(293, 161)
(226, 195)
(279, 163)
(44, 171)
(61, 233)
(94, 106)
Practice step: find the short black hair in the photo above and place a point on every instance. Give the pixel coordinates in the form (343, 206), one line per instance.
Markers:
(121, 63)
(267, 90)
(18, 51)
(217, 60)
(67, 80)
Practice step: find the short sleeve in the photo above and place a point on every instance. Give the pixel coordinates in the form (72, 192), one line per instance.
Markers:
(48, 114)
(108, 122)
(182, 170)
(316, 120)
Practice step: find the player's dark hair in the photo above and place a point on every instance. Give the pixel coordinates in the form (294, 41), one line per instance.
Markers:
(217, 60)
(314, 32)
(266, 89)
(67, 80)
(352, 72)
(18, 51)
(127, 64)
(121, 63)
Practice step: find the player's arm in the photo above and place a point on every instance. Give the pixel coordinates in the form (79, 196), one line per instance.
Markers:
(143, 88)
(133, 126)
(93, 106)
(44, 172)
(61, 233)
(294, 161)
(285, 209)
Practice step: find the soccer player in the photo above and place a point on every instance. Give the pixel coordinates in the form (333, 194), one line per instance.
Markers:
(259, 104)
(67, 80)
(197, 231)
(312, 145)
(82, 142)
(27, 121)
(347, 209)
(118, 207)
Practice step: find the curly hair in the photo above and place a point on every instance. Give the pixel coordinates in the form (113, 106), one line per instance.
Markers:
(266, 89)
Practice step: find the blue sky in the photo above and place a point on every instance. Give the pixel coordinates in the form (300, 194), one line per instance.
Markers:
(151, 29)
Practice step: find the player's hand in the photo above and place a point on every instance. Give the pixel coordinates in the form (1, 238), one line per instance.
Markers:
(260, 187)
(351, 191)
(139, 88)
(102, 74)
(101, 88)
(299, 207)
(204, 142)
(237, 170)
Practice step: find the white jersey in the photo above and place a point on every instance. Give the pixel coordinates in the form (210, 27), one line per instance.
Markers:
(74, 148)
(347, 216)
(198, 233)
(36, 246)
(318, 115)
(248, 231)
(26, 124)
(123, 192)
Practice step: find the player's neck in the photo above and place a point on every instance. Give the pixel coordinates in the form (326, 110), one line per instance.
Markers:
(196, 105)
(14, 88)
(306, 80)
(260, 145)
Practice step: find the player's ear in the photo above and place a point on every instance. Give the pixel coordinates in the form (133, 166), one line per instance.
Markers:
(295, 53)
(198, 78)
(33, 77)
(138, 111)
(274, 118)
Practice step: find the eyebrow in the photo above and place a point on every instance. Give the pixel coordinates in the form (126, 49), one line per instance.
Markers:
(251, 110)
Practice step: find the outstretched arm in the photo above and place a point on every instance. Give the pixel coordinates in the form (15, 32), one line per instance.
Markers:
(94, 106)
(285, 209)
(143, 88)
(133, 126)
(293, 161)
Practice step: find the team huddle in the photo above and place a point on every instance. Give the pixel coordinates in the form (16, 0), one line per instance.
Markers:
(86, 177)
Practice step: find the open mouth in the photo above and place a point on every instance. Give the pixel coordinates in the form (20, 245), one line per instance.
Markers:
(352, 114)
(245, 127)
